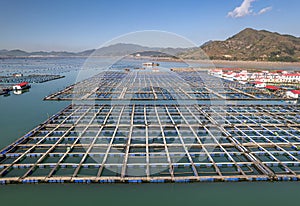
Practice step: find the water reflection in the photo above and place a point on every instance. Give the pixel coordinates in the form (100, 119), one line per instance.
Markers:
(19, 92)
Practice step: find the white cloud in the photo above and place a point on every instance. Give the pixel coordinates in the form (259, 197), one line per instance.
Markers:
(264, 10)
(243, 10)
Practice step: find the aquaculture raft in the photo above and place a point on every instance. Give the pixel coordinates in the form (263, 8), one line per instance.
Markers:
(34, 78)
(255, 143)
(154, 142)
(164, 85)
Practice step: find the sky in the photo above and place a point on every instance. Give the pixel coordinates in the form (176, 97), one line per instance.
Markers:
(74, 25)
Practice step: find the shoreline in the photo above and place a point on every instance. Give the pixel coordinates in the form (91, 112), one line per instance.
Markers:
(212, 63)
(249, 64)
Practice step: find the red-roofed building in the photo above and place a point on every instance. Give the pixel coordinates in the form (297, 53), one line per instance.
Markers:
(259, 84)
(291, 77)
(21, 86)
(240, 77)
(216, 72)
(293, 94)
(229, 75)
(273, 88)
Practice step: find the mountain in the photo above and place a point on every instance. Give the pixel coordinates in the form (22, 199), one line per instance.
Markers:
(250, 45)
(119, 49)
(86, 52)
(20, 53)
(247, 45)
(15, 52)
(122, 49)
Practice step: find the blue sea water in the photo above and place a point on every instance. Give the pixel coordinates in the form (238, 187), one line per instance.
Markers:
(21, 113)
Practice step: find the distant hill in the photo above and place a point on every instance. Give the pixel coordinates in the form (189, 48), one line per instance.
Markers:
(151, 54)
(111, 50)
(20, 53)
(15, 52)
(251, 45)
(122, 49)
(247, 45)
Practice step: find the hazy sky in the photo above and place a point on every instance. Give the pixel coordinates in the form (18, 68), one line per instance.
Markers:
(74, 25)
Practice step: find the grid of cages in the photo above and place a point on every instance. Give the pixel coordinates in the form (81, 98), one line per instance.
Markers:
(159, 143)
(149, 85)
(231, 89)
(36, 78)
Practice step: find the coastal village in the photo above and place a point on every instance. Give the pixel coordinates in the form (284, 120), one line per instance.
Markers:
(281, 81)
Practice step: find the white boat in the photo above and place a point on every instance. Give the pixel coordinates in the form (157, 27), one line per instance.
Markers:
(21, 86)
(150, 64)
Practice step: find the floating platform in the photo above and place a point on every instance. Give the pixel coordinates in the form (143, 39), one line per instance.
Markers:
(162, 85)
(158, 143)
(5, 89)
(33, 78)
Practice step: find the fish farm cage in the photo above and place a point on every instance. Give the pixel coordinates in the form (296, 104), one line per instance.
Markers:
(135, 142)
(164, 85)
(33, 78)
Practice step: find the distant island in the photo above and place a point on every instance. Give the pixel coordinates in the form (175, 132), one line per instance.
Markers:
(247, 45)
(114, 50)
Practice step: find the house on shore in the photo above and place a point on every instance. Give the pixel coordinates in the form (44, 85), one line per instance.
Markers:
(259, 84)
(294, 94)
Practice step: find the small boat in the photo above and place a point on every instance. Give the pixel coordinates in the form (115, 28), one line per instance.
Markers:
(4, 91)
(21, 86)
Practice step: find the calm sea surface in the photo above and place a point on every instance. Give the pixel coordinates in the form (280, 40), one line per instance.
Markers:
(21, 113)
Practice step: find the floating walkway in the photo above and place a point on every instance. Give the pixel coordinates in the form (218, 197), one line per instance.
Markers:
(158, 143)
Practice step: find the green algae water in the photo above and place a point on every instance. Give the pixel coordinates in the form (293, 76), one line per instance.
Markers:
(21, 113)
(243, 193)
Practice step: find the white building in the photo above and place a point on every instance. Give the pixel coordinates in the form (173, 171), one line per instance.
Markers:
(216, 72)
(240, 77)
(259, 84)
(293, 94)
(229, 75)
(295, 77)
(17, 75)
